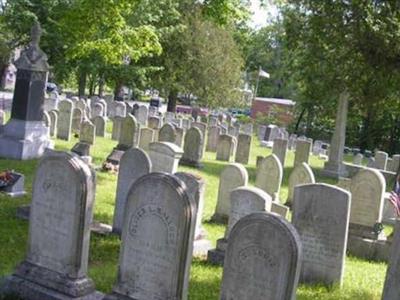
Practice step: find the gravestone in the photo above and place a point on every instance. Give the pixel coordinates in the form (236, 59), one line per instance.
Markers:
(46, 119)
(25, 136)
(97, 110)
(134, 164)
(280, 209)
(381, 160)
(165, 156)
(116, 128)
(203, 128)
(321, 215)
(301, 174)
(142, 115)
(86, 140)
(167, 133)
(53, 123)
(193, 147)
(117, 109)
(224, 147)
(146, 137)
(64, 120)
(367, 188)
(269, 176)
(157, 236)
(391, 289)
(243, 149)
(76, 119)
(395, 163)
(180, 136)
(244, 201)
(261, 132)
(212, 139)
(196, 189)
(58, 245)
(279, 149)
(262, 259)
(232, 176)
(100, 125)
(154, 123)
(302, 153)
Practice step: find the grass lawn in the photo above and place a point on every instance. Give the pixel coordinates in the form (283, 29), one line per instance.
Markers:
(363, 279)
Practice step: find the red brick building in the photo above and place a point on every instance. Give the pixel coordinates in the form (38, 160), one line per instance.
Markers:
(282, 108)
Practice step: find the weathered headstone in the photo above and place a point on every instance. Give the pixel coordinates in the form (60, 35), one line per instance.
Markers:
(321, 215)
(280, 209)
(279, 149)
(367, 188)
(77, 117)
(154, 123)
(244, 201)
(59, 234)
(224, 147)
(64, 120)
(100, 125)
(193, 147)
(243, 149)
(167, 133)
(302, 153)
(301, 174)
(165, 156)
(86, 140)
(357, 160)
(116, 128)
(381, 160)
(180, 136)
(46, 119)
(97, 110)
(155, 255)
(212, 139)
(262, 259)
(53, 122)
(134, 164)
(269, 176)
(142, 115)
(232, 176)
(146, 137)
(391, 290)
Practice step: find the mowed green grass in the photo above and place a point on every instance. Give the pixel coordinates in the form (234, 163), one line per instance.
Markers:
(363, 279)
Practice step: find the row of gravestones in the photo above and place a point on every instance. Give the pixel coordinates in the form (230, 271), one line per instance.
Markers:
(158, 228)
(381, 161)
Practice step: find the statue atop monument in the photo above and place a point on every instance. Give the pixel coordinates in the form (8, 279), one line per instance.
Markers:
(33, 58)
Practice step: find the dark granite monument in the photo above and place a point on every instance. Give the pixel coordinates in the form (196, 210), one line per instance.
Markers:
(25, 136)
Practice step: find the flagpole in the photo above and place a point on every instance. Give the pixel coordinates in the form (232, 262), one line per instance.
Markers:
(258, 80)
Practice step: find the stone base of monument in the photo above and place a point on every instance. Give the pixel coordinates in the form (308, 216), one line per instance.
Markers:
(217, 256)
(36, 283)
(23, 212)
(24, 139)
(17, 188)
(334, 170)
(115, 156)
(190, 163)
(375, 250)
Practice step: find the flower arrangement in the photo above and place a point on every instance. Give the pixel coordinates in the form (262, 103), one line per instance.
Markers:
(7, 178)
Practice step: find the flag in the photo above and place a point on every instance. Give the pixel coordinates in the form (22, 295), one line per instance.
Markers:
(262, 73)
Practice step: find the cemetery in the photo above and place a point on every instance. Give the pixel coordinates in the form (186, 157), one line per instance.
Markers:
(107, 193)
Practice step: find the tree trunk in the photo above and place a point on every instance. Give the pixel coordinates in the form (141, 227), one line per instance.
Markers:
(118, 92)
(172, 98)
(296, 129)
(3, 76)
(101, 86)
(82, 83)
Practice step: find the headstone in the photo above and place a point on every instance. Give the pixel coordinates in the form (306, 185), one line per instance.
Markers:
(269, 176)
(180, 136)
(212, 139)
(224, 147)
(301, 174)
(193, 146)
(154, 123)
(334, 167)
(165, 157)
(86, 140)
(321, 216)
(146, 137)
(116, 128)
(261, 132)
(46, 119)
(202, 127)
(244, 201)
(367, 188)
(262, 259)
(279, 149)
(302, 154)
(100, 125)
(280, 209)
(25, 136)
(243, 149)
(391, 290)
(97, 110)
(394, 166)
(117, 109)
(142, 114)
(157, 236)
(134, 164)
(232, 176)
(64, 120)
(53, 123)
(292, 142)
(76, 119)
(196, 188)
(167, 133)
(59, 233)
(381, 160)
